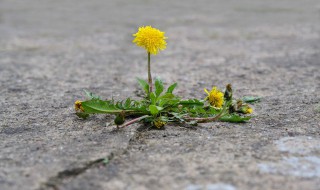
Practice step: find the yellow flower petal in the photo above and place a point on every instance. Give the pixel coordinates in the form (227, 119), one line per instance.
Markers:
(249, 110)
(151, 39)
(215, 97)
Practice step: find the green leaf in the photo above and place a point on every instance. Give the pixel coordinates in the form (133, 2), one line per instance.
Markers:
(144, 85)
(82, 115)
(172, 87)
(130, 107)
(91, 95)
(167, 99)
(191, 102)
(234, 118)
(100, 106)
(214, 111)
(164, 118)
(166, 96)
(159, 87)
(250, 99)
(153, 98)
(177, 116)
(127, 103)
(154, 110)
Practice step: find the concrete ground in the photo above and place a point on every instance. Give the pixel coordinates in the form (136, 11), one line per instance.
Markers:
(51, 50)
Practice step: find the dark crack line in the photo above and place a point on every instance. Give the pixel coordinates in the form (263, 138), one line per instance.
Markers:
(55, 181)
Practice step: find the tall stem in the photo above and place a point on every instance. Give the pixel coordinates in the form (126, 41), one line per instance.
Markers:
(149, 74)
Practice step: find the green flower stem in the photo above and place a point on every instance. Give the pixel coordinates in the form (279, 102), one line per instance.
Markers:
(149, 73)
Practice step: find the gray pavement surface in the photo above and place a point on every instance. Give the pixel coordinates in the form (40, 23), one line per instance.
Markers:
(51, 50)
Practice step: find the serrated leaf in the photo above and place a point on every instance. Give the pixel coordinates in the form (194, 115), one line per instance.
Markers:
(127, 103)
(177, 116)
(100, 106)
(154, 110)
(91, 95)
(191, 102)
(112, 107)
(159, 87)
(172, 87)
(214, 111)
(234, 118)
(250, 99)
(167, 98)
(144, 85)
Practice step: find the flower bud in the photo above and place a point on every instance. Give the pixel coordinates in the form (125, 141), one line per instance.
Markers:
(158, 123)
(245, 109)
(228, 92)
(119, 120)
(78, 107)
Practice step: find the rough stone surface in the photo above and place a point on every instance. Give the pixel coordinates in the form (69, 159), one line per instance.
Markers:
(51, 50)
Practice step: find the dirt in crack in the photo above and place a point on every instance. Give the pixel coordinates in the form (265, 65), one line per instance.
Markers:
(55, 181)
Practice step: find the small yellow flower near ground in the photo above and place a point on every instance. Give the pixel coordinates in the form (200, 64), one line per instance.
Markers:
(246, 109)
(152, 39)
(215, 97)
(159, 124)
(78, 106)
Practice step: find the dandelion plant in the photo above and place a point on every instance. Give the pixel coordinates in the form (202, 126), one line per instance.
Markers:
(160, 105)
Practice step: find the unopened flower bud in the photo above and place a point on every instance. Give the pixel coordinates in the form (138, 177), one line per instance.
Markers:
(239, 103)
(228, 92)
(245, 109)
(119, 120)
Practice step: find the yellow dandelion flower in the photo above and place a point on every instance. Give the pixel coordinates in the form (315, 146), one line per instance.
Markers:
(152, 39)
(78, 106)
(215, 97)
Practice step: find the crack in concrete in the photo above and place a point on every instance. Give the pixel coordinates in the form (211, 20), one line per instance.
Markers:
(55, 181)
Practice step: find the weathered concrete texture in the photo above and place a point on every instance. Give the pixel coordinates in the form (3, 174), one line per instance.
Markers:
(51, 50)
